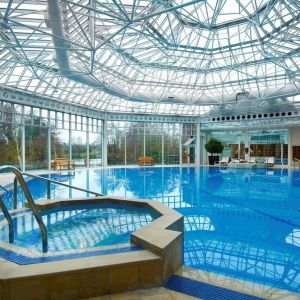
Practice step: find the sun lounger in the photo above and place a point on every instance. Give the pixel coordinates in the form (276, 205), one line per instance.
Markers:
(269, 162)
(224, 161)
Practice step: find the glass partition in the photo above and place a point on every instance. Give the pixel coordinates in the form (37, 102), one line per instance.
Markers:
(59, 143)
(95, 149)
(116, 142)
(134, 142)
(269, 143)
(79, 148)
(36, 147)
(153, 145)
(10, 144)
(172, 134)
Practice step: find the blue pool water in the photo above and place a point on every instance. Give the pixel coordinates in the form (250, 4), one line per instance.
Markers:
(240, 223)
(77, 227)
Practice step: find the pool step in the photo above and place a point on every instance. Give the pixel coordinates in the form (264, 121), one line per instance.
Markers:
(22, 259)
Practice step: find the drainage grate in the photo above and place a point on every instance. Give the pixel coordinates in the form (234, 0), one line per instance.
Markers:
(205, 291)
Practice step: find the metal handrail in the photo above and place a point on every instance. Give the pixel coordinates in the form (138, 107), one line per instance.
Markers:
(9, 221)
(49, 181)
(31, 203)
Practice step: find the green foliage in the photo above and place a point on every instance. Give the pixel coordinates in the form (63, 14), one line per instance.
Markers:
(214, 146)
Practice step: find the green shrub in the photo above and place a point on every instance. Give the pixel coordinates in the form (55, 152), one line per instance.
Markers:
(214, 146)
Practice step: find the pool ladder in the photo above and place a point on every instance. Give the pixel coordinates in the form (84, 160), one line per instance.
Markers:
(19, 178)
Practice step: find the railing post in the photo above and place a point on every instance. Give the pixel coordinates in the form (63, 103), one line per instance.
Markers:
(48, 189)
(15, 193)
(9, 220)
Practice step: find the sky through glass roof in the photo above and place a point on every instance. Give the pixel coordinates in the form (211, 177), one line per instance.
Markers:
(175, 57)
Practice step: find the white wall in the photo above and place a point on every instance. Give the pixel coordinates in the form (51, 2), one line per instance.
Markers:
(293, 140)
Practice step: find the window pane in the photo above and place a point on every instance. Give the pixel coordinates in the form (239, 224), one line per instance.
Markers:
(36, 150)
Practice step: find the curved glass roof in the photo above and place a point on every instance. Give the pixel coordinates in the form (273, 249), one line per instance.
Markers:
(152, 56)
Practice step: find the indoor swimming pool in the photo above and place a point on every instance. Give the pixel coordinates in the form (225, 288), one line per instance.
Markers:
(241, 223)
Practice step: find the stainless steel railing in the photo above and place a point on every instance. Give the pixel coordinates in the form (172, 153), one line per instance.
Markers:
(9, 221)
(49, 181)
(30, 201)
(20, 179)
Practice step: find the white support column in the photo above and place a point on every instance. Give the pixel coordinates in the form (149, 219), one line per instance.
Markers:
(180, 146)
(162, 148)
(290, 147)
(70, 143)
(125, 148)
(144, 139)
(247, 145)
(104, 144)
(23, 166)
(198, 145)
(87, 143)
(49, 148)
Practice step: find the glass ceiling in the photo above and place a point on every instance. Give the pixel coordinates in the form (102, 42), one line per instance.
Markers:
(152, 56)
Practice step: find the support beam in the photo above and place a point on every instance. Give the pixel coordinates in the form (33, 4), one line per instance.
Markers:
(23, 166)
(198, 145)
(105, 143)
(290, 147)
(49, 148)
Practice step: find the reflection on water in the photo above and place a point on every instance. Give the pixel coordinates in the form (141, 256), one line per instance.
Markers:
(79, 227)
(238, 222)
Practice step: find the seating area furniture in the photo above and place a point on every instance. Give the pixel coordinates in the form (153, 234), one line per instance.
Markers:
(63, 164)
(252, 160)
(145, 161)
(269, 162)
(224, 161)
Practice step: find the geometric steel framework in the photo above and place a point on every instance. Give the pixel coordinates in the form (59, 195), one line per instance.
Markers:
(151, 56)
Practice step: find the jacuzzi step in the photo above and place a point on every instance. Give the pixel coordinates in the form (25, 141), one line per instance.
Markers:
(22, 259)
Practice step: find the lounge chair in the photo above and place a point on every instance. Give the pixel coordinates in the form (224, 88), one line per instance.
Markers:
(252, 160)
(269, 162)
(224, 161)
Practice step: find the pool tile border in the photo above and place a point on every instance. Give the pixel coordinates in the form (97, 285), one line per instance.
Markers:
(22, 259)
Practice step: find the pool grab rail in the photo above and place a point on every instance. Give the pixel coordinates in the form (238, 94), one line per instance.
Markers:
(9, 220)
(19, 177)
(49, 181)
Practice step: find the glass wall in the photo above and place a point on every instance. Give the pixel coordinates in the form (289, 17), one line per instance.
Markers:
(35, 124)
(79, 148)
(153, 141)
(10, 145)
(80, 138)
(116, 143)
(59, 143)
(134, 141)
(36, 147)
(261, 143)
(272, 143)
(171, 138)
(95, 149)
(188, 142)
(162, 141)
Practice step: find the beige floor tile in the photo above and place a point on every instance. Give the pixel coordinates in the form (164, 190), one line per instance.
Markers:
(160, 293)
(180, 296)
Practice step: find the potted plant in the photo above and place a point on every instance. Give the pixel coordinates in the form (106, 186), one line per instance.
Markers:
(214, 147)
